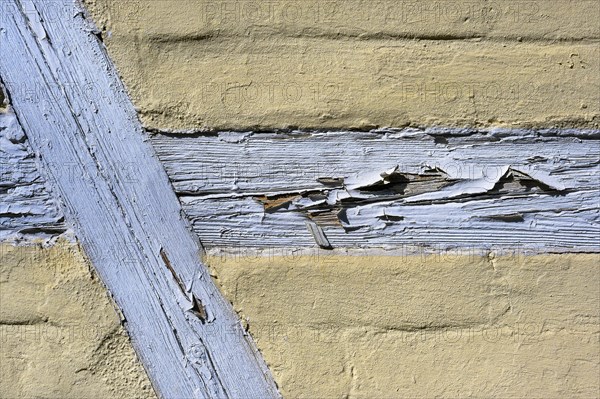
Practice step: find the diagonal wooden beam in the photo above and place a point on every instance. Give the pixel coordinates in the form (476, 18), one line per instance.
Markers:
(119, 200)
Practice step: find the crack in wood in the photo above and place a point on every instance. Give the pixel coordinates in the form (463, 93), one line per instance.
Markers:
(197, 307)
(390, 187)
(167, 262)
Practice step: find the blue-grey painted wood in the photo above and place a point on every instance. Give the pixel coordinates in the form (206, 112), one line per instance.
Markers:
(121, 204)
(548, 201)
(27, 210)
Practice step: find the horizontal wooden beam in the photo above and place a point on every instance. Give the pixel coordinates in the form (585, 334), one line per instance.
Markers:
(437, 188)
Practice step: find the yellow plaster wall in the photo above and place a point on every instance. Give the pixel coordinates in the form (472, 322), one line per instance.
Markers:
(60, 336)
(228, 64)
(422, 326)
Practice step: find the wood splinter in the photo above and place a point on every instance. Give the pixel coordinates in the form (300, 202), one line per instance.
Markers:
(197, 308)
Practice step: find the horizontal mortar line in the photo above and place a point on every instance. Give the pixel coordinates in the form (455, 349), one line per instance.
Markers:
(434, 131)
(407, 249)
(418, 249)
(584, 124)
(220, 35)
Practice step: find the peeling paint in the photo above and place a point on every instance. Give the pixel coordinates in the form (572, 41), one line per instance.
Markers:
(318, 235)
(28, 211)
(390, 187)
(357, 193)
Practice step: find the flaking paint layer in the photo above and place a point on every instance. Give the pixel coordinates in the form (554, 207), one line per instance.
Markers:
(390, 188)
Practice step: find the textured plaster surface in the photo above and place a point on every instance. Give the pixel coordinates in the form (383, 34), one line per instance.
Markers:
(60, 336)
(421, 326)
(355, 64)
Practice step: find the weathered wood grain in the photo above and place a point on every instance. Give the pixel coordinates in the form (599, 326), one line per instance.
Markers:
(26, 207)
(122, 206)
(441, 188)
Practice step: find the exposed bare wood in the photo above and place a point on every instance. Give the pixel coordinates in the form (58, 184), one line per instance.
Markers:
(442, 188)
